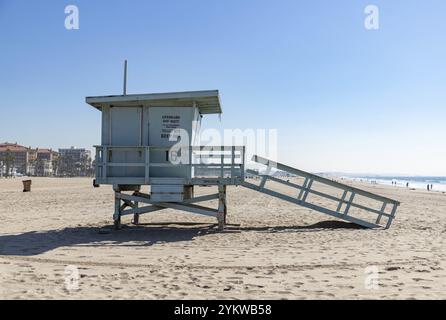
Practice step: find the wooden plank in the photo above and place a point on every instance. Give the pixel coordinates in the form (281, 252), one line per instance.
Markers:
(142, 210)
(104, 164)
(349, 203)
(122, 180)
(392, 216)
(307, 190)
(232, 162)
(147, 166)
(125, 164)
(265, 177)
(383, 208)
(211, 181)
(217, 156)
(341, 201)
(190, 208)
(302, 188)
(146, 198)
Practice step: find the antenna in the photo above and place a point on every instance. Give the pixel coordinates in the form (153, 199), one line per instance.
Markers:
(125, 77)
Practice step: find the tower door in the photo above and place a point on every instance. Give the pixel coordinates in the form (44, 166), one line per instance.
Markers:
(126, 130)
(126, 126)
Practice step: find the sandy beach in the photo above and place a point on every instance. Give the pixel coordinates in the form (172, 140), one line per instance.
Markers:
(271, 249)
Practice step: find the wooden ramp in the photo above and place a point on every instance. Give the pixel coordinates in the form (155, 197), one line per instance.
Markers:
(311, 191)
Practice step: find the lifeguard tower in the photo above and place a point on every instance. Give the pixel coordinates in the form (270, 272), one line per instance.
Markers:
(151, 140)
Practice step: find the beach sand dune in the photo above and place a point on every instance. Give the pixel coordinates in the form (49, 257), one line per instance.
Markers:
(271, 248)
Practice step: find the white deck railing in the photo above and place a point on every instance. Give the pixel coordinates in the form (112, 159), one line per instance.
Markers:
(201, 164)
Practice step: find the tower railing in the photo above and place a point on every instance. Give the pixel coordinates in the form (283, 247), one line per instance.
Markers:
(204, 164)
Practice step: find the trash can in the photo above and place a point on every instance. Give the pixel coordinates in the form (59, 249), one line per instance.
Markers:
(26, 185)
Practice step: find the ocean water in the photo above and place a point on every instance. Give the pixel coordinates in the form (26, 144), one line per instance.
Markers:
(417, 182)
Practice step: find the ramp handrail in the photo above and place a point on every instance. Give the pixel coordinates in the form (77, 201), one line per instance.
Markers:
(347, 199)
(315, 177)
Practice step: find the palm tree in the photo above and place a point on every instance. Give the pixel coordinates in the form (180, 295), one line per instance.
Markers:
(67, 166)
(32, 164)
(8, 160)
(55, 165)
(40, 168)
(85, 165)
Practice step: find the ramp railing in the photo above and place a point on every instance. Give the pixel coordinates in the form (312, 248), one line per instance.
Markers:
(324, 195)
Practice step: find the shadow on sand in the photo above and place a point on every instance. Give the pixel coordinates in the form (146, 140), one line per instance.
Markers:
(145, 234)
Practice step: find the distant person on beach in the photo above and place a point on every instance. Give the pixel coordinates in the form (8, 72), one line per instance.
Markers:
(432, 186)
(428, 187)
(407, 185)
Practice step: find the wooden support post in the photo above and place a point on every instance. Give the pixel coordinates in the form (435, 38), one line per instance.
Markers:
(191, 170)
(98, 165)
(221, 207)
(242, 167)
(222, 162)
(117, 214)
(226, 206)
(136, 215)
(104, 163)
(232, 164)
(147, 166)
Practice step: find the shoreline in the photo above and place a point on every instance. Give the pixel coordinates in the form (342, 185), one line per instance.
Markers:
(437, 187)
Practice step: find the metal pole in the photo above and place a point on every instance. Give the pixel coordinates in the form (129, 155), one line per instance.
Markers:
(125, 77)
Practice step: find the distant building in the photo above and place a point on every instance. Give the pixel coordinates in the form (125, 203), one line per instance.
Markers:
(47, 154)
(75, 162)
(45, 164)
(15, 158)
(77, 154)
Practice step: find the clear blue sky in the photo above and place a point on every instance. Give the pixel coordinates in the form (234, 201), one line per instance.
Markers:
(343, 98)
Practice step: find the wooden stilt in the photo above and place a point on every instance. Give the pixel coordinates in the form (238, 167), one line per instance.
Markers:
(117, 214)
(136, 214)
(221, 207)
(226, 206)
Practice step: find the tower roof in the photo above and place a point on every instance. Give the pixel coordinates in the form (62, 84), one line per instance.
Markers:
(207, 101)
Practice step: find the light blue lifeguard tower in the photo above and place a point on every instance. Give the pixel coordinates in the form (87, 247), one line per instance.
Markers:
(151, 140)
